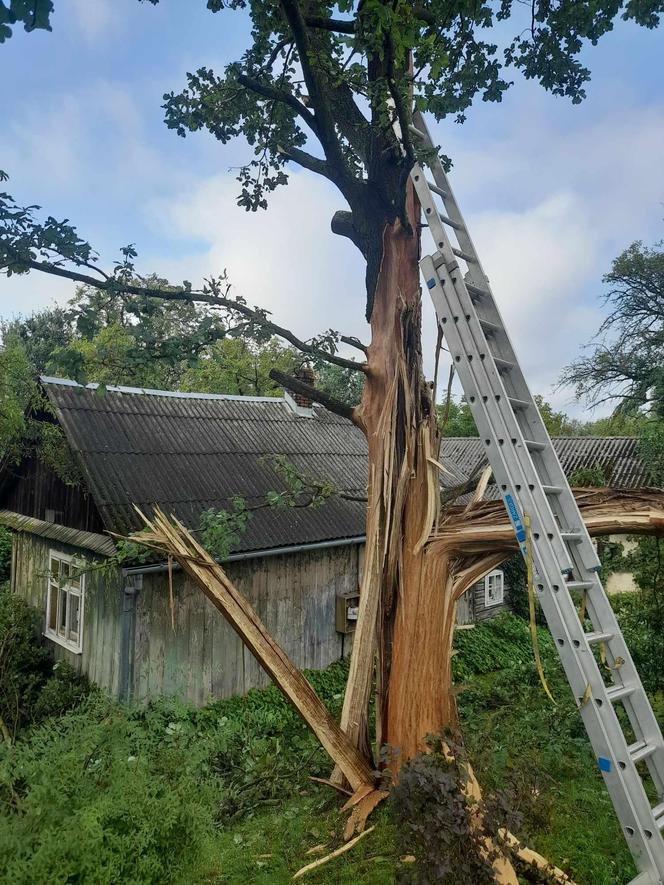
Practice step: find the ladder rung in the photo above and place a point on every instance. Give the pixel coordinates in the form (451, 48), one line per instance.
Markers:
(658, 814)
(417, 132)
(553, 490)
(640, 750)
(465, 256)
(489, 327)
(437, 190)
(579, 585)
(618, 692)
(572, 537)
(503, 365)
(518, 403)
(533, 446)
(592, 638)
(477, 291)
(454, 224)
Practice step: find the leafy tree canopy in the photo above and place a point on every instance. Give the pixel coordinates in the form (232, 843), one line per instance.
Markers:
(624, 363)
(340, 74)
(32, 14)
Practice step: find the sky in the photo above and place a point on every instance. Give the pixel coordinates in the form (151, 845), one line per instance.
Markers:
(551, 192)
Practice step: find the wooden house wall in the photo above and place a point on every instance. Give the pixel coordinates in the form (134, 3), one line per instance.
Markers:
(102, 607)
(36, 488)
(203, 658)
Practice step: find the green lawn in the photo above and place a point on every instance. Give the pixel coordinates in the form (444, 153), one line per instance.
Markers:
(221, 795)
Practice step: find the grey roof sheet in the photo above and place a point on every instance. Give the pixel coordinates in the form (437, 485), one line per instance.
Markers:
(189, 453)
(192, 452)
(617, 456)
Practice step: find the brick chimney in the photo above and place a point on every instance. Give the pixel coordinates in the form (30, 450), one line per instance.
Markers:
(306, 374)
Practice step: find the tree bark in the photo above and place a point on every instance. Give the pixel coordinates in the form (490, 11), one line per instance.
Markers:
(406, 612)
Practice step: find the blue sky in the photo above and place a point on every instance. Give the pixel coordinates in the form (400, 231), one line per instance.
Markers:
(552, 192)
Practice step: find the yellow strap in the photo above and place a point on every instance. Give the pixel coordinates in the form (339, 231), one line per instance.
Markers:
(531, 607)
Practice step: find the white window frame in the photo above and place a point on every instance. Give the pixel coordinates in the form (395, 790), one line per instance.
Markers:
(63, 588)
(494, 588)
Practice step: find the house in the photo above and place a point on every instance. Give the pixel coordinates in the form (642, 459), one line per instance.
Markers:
(613, 460)
(299, 567)
(188, 453)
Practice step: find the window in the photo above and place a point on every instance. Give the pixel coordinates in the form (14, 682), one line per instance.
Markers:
(64, 602)
(494, 588)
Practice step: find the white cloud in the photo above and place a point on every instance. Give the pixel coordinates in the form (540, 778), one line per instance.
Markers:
(93, 18)
(285, 259)
(548, 210)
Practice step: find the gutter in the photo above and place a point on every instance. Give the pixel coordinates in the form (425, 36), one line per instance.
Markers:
(252, 554)
(130, 587)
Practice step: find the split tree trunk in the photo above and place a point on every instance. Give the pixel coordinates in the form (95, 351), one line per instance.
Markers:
(406, 602)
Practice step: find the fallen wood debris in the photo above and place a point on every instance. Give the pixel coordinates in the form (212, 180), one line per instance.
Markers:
(527, 855)
(328, 857)
(172, 538)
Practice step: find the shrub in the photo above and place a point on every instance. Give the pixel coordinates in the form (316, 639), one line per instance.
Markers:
(495, 644)
(31, 686)
(95, 796)
(433, 818)
(62, 691)
(23, 663)
(5, 553)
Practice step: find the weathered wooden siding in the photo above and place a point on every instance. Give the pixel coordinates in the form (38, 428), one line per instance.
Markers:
(203, 658)
(102, 607)
(35, 488)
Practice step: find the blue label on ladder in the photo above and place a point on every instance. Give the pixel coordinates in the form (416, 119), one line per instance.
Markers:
(519, 530)
(431, 283)
(604, 764)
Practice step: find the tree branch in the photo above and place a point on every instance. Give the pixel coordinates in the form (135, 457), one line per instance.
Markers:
(308, 161)
(330, 24)
(354, 342)
(342, 225)
(192, 297)
(319, 396)
(327, 133)
(271, 92)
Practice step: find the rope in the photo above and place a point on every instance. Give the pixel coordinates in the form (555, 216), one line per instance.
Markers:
(531, 607)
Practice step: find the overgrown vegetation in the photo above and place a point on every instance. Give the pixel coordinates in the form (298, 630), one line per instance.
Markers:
(31, 687)
(168, 793)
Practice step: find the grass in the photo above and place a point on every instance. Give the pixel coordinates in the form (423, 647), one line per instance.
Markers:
(222, 795)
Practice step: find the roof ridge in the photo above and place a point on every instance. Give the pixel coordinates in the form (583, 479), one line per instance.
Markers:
(149, 391)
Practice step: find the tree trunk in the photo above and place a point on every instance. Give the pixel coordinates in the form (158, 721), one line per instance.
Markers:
(406, 602)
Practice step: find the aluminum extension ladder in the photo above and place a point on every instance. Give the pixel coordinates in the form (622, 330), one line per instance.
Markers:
(527, 470)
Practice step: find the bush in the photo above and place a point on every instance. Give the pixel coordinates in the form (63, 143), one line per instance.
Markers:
(96, 796)
(433, 819)
(642, 621)
(24, 665)
(62, 691)
(5, 553)
(109, 794)
(31, 686)
(495, 644)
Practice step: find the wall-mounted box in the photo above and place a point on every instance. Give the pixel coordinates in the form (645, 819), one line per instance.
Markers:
(348, 602)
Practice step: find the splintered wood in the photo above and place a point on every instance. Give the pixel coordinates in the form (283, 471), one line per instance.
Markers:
(173, 539)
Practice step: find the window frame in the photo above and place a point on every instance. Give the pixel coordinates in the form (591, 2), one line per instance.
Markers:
(488, 601)
(62, 591)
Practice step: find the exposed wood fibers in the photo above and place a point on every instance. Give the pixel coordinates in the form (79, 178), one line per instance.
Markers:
(174, 539)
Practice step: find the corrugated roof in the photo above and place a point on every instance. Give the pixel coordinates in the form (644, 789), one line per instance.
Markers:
(617, 457)
(189, 453)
